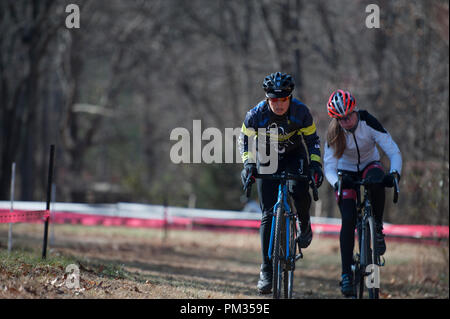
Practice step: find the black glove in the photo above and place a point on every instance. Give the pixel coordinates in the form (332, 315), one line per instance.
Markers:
(315, 169)
(388, 180)
(249, 170)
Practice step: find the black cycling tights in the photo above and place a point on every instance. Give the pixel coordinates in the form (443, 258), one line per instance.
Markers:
(348, 212)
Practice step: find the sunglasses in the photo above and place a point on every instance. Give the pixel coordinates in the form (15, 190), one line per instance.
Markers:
(279, 99)
(344, 119)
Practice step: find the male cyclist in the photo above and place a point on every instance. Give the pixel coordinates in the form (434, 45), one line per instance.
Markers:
(351, 148)
(292, 122)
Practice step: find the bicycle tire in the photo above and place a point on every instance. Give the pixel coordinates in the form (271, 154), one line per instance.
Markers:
(360, 282)
(286, 283)
(373, 256)
(277, 253)
(359, 278)
(289, 271)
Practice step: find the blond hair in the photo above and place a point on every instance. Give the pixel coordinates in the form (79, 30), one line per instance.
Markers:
(336, 138)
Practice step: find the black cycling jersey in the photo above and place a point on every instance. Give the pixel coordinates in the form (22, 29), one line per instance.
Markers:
(291, 127)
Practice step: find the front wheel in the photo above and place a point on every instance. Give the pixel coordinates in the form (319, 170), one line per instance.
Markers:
(278, 253)
(290, 262)
(361, 260)
(358, 277)
(368, 275)
(288, 282)
(374, 280)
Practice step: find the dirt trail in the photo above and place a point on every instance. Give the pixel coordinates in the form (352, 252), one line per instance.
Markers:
(209, 265)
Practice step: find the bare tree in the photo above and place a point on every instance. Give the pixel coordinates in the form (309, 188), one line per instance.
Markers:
(23, 46)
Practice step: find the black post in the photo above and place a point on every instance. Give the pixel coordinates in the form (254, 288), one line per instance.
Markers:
(166, 219)
(49, 192)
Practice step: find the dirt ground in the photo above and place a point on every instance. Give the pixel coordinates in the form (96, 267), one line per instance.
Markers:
(118, 262)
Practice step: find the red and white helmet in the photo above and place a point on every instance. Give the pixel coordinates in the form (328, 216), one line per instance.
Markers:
(340, 104)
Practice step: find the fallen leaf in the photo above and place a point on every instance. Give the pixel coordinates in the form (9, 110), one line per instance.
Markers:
(13, 290)
(31, 290)
(384, 295)
(84, 268)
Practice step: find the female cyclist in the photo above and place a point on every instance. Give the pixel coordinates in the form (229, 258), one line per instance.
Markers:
(351, 148)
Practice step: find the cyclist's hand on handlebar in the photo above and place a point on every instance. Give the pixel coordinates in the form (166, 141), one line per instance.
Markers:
(389, 179)
(316, 172)
(248, 171)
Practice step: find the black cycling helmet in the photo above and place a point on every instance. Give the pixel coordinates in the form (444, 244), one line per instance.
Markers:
(278, 85)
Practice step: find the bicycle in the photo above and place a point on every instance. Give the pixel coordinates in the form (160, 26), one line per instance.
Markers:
(283, 253)
(367, 261)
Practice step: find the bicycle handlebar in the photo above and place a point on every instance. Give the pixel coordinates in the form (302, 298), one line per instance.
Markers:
(281, 177)
(366, 182)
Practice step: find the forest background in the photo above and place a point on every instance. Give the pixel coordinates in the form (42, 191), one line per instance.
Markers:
(108, 94)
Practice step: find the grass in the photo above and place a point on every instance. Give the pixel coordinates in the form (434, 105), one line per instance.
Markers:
(118, 262)
(21, 259)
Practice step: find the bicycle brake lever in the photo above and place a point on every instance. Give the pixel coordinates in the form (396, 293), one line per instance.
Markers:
(339, 185)
(314, 188)
(396, 188)
(247, 181)
(247, 187)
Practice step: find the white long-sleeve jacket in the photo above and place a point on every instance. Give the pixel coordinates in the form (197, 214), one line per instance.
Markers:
(361, 149)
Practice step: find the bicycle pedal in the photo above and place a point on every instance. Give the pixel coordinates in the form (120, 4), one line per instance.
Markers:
(299, 256)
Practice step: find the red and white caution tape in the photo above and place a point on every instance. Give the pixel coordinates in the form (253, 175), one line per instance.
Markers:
(152, 216)
(23, 216)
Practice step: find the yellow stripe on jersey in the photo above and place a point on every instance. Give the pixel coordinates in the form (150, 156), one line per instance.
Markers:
(248, 131)
(315, 157)
(248, 156)
(307, 130)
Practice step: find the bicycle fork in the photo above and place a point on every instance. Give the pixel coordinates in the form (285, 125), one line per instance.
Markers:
(288, 214)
